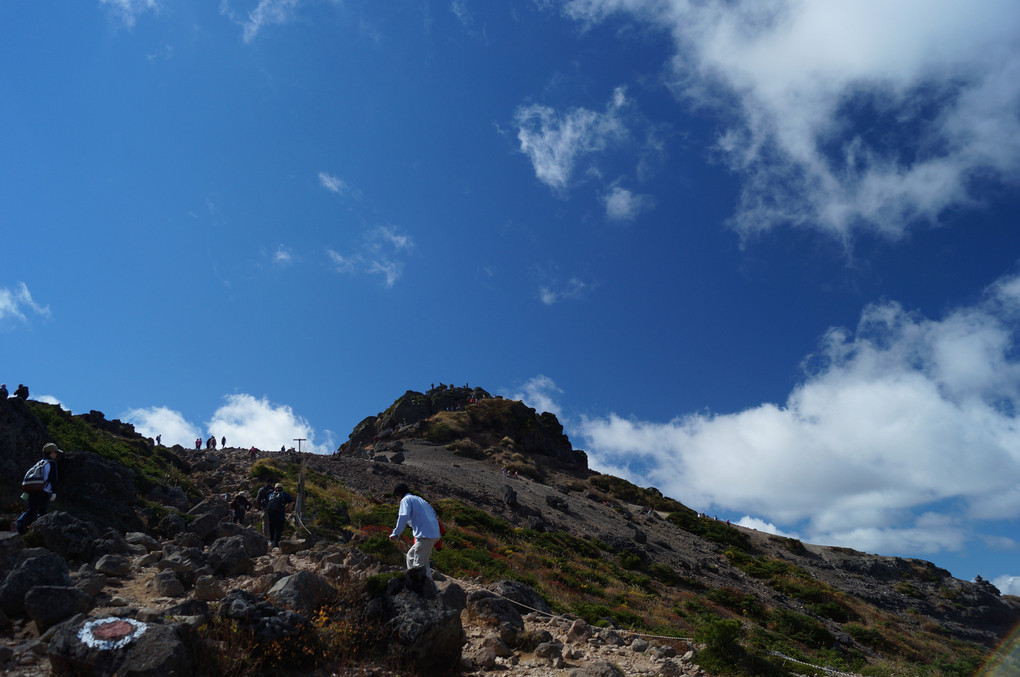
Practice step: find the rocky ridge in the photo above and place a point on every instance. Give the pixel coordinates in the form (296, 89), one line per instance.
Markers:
(192, 566)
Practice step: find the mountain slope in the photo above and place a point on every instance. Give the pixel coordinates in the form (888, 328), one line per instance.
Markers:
(521, 504)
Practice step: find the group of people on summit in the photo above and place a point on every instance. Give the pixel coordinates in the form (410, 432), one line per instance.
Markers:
(21, 392)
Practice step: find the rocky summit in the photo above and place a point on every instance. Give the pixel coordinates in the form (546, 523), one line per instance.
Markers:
(145, 566)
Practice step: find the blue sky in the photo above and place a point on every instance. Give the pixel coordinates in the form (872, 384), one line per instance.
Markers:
(761, 255)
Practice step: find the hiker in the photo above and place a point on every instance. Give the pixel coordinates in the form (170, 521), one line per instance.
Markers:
(21, 391)
(276, 508)
(260, 501)
(41, 488)
(252, 453)
(3, 391)
(198, 444)
(223, 442)
(210, 443)
(416, 512)
(159, 440)
(240, 506)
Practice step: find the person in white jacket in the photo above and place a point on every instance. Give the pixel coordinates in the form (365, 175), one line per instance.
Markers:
(416, 512)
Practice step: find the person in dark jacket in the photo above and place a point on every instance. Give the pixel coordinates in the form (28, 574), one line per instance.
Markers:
(276, 509)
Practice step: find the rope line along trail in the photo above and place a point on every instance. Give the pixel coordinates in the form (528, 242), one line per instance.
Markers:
(469, 585)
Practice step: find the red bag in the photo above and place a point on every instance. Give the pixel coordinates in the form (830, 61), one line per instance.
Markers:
(442, 532)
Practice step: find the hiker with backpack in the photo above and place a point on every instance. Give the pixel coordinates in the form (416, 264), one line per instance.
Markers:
(276, 508)
(416, 513)
(240, 505)
(40, 484)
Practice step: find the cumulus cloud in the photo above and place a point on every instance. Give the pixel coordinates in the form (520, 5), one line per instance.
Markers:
(128, 11)
(249, 421)
(840, 116)
(901, 438)
(1008, 585)
(624, 205)
(244, 420)
(170, 424)
(16, 304)
(50, 399)
(540, 393)
(556, 142)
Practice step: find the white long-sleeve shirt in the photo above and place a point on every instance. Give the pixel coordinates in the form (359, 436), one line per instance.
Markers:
(416, 512)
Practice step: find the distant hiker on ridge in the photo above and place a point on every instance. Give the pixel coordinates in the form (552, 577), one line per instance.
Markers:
(21, 391)
(3, 391)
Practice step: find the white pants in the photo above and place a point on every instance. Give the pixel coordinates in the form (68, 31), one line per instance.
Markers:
(418, 554)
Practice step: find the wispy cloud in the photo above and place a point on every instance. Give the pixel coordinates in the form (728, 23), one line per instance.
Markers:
(265, 13)
(839, 116)
(379, 253)
(902, 437)
(283, 256)
(243, 419)
(554, 293)
(555, 142)
(333, 184)
(18, 303)
(128, 11)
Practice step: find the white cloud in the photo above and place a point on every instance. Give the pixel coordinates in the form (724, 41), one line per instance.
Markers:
(14, 304)
(460, 10)
(283, 256)
(390, 270)
(556, 142)
(624, 205)
(553, 293)
(1008, 585)
(540, 393)
(805, 87)
(128, 11)
(333, 184)
(378, 254)
(265, 13)
(244, 420)
(763, 526)
(172, 425)
(902, 437)
(248, 421)
(50, 399)
(343, 264)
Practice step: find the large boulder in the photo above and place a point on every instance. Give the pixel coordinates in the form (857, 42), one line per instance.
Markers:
(22, 436)
(118, 646)
(47, 568)
(304, 591)
(427, 633)
(499, 613)
(266, 622)
(214, 505)
(526, 599)
(47, 605)
(228, 557)
(255, 544)
(66, 535)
